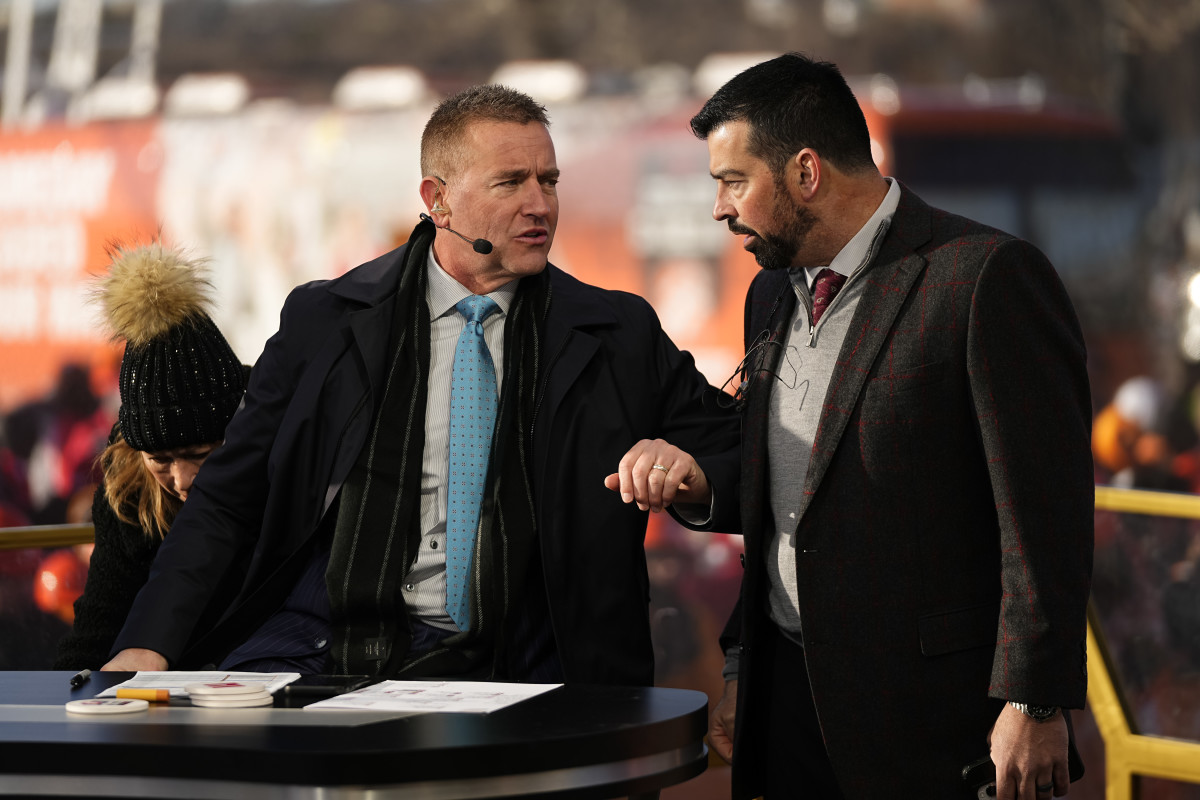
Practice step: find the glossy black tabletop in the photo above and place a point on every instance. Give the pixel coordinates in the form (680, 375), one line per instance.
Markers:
(573, 741)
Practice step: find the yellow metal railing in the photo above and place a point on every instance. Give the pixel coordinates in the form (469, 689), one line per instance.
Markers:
(1139, 501)
(1126, 752)
(45, 536)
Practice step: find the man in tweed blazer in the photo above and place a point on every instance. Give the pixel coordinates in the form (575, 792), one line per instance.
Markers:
(916, 488)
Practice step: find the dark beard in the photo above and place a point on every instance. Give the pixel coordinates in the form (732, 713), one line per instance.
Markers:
(779, 250)
(773, 253)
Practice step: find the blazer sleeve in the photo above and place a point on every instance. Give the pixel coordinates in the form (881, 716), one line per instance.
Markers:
(1029, 385)
(221, 520)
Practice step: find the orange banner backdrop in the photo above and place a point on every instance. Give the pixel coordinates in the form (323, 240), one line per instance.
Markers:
(65, 193)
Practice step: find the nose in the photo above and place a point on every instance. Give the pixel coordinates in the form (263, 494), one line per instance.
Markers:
(722, 208)
(536, 200)
(182, 474)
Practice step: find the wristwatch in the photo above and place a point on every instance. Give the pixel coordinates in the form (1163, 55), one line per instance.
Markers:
(1036, 713)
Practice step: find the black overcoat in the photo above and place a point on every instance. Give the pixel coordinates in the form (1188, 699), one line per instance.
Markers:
(610, 377)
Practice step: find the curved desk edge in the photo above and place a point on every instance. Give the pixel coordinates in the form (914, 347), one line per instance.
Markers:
(615, 778)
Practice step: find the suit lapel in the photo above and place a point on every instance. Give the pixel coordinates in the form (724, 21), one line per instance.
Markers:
(371, 327)
(375, 285)
(567, 350)
(352, 405)
(888, 283)
(568, 346)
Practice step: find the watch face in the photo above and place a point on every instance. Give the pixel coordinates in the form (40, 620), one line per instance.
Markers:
(1039, 713)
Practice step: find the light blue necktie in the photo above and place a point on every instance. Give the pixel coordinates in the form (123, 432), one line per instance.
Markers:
(472, 417)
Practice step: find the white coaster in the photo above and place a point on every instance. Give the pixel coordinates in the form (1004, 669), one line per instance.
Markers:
(224, 689)
(244, 701)
(107, 705)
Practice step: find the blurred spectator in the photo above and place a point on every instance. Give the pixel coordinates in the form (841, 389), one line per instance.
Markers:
(1128, 443)
(694, 582)
(50, 448)
(48, 452)
(59, 581)
(20, 436)
(1181, 608)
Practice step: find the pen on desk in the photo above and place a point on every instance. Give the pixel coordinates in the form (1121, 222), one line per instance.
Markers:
(80, 678)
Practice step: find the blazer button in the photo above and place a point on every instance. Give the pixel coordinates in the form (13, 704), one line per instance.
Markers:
(742, 556)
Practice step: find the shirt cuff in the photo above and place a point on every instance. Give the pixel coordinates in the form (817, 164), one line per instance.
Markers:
(696, 513)
(732, 657)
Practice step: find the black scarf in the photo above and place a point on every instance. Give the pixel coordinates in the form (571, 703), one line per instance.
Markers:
(378, 529)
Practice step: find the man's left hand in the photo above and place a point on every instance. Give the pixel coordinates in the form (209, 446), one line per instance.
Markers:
(1029, 754)
(654, 474)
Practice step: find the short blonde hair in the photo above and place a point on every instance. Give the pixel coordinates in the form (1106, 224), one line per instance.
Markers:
(442, 139)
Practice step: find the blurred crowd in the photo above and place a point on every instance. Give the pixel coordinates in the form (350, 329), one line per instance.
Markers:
(48, 473)
(1146, 572)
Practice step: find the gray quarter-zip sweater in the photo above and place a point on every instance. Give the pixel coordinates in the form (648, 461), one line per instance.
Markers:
(797, 398)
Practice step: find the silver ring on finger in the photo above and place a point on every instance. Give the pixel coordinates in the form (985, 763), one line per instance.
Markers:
(660, 466)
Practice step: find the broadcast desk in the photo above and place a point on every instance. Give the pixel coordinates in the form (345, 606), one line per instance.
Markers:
(572, 742)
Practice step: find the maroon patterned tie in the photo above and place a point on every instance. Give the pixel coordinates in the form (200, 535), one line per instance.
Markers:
(824, 290)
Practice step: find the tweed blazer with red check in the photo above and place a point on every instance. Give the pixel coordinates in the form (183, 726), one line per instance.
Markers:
(944, 547)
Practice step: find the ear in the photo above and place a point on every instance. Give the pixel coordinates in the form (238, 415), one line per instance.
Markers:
(805, 171)
(431, 195)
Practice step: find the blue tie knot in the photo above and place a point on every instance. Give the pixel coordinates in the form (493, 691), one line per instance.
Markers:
(476, 308)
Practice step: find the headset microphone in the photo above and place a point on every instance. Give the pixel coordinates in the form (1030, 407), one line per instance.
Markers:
(481, 246)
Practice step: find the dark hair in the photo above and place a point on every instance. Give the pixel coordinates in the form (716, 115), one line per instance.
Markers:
(441, 140)
(792, 102)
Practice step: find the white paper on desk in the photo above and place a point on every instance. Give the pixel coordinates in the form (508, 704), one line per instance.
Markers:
(175, 681)
(474, 697)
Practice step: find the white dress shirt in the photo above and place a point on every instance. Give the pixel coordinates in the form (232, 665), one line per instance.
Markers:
(425, 585)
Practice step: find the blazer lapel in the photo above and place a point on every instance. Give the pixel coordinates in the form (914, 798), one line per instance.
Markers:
(567, 350)
(371, 327)
(357, 368)
(887, 286)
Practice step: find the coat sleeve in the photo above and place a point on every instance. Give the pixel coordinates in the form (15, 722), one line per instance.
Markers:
(221, 520)
(118, 568)
(1029, 386)
(699, 419)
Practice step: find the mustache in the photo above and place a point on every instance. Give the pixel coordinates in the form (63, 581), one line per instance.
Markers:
(742, 229)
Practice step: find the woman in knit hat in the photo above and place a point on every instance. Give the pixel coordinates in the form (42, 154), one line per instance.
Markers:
(180, 384)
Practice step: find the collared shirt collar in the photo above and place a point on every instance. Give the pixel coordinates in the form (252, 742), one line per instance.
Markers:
(852, 256)
(444, 292)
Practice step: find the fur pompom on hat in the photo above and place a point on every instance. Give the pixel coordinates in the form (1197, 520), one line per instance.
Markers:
(180, 381)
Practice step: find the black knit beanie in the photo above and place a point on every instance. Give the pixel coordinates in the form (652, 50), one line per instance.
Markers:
(180, 381)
